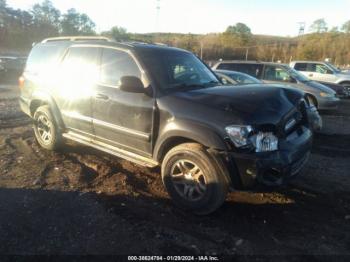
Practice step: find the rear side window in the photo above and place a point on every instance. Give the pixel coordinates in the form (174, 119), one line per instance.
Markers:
(43, 57)
(115, 64)
(300, 66)
(250, 69)
(80, 66)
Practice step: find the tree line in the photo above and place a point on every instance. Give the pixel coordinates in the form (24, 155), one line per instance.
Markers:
(20, 28)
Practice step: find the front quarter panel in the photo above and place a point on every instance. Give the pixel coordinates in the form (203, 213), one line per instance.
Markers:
(175, 123)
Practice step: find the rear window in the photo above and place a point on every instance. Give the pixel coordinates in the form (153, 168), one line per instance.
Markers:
(43, 56)
(250, 69)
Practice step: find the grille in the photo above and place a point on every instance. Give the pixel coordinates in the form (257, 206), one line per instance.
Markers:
(295, 119)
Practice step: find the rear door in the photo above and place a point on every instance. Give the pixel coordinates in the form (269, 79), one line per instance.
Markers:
(122, 119)
(77, 76)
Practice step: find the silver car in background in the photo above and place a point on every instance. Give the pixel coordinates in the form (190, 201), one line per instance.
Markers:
(322, 96)
(323, 71)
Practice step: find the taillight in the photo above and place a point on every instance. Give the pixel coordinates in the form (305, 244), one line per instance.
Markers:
(21, 82)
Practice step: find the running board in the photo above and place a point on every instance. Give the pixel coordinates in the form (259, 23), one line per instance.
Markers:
(135, 158)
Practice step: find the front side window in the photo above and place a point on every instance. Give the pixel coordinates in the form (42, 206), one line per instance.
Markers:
(273, 73)
(322, 69)
(333, 67)
(319, 68)
(115, 64)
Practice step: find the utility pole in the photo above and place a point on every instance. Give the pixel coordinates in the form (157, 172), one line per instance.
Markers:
(301, 28)
(201, 50)
(246, 54)
(157, 16)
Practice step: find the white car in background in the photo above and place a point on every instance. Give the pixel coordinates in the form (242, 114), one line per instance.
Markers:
(323, 72)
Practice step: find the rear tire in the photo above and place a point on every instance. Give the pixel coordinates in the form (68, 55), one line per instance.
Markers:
(45, 128)
(193, 179)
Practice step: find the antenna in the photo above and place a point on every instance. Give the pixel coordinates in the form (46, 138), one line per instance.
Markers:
(302, 28)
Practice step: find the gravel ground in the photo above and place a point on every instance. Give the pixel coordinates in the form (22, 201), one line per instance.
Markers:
(80, 201)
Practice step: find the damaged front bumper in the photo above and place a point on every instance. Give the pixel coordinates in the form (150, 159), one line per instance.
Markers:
(274, 168)
(314, 119)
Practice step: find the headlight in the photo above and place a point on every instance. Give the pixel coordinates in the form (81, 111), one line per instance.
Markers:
(243, 136)
(239, 134)
(323, 94)
(265, 142)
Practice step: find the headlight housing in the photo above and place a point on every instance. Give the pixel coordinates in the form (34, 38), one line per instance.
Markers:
(323, 94)
(244, 136)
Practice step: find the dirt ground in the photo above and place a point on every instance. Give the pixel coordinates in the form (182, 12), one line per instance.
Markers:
(80, 201)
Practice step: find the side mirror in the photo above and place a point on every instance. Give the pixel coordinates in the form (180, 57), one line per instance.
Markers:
(131, 84)
(329, 72)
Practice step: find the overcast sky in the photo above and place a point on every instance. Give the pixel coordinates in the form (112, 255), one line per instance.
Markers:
(274, 17)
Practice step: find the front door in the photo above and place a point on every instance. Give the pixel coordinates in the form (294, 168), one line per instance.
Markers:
(120, 118)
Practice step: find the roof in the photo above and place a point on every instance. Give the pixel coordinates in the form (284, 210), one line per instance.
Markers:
(104, 41)
(229, 72)
(249, 62)
(305, 61)
(76, 38)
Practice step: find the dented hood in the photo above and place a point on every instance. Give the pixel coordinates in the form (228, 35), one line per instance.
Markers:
(249, 104)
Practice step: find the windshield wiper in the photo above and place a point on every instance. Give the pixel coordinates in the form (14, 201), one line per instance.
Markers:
(212, 82)
(185, 86)
(188, 86)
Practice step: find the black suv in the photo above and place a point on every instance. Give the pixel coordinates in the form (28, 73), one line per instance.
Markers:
(156, 105)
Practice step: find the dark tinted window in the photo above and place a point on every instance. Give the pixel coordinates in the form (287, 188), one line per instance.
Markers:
(81, 55)
(300, 66)
(44, 56)
(250, 69)
(116, 64)
(227, 66)
(80, 65)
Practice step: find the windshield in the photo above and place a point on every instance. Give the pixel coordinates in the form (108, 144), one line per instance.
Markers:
(296, 75)
(243, 78)
(176, 70)
(333, 67)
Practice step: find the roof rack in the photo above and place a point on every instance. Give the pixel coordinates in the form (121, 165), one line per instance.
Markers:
(76, 38)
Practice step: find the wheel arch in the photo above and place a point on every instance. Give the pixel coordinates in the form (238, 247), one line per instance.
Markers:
(343, 82)
(40, 99)
(185, 134)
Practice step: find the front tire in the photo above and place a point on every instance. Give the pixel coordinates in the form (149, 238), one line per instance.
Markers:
(193, 179)
(45, 128)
